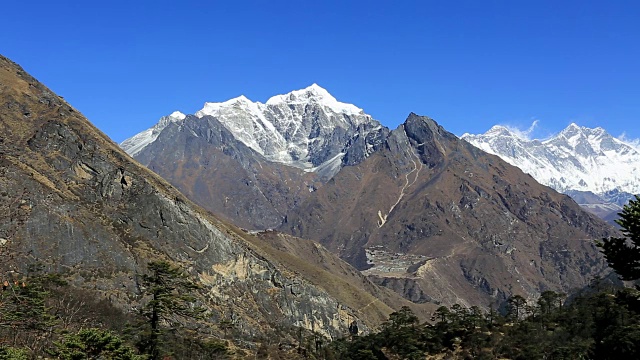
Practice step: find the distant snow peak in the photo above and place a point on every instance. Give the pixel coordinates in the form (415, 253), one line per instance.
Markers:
(500, 130)
(576, 159)
(509, 131)
(135, 144)
(315, 94)
(177, 115)
(213, 108)
(306, 128)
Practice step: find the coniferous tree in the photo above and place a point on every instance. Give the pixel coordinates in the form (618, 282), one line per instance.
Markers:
(623, 253)
(549, 301)
(24, 313)
(93, 344)
(515, 306)
(10, 353)
(172, 297)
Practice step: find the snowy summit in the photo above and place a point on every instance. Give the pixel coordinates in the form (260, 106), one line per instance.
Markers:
(306, 128)
(576, 159)
(315, 94)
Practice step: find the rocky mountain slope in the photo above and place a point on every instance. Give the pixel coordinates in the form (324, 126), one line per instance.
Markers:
(440, 220)
(263, 158)
(599, 171)
(73, 201)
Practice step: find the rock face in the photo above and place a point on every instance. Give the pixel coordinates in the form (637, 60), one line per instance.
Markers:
(74, 201)
(251, 162)
(599, 171)
(205, 161)
(440, 220)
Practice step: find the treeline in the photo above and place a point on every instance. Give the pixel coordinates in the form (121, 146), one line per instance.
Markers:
(42, 317)
(601, 325)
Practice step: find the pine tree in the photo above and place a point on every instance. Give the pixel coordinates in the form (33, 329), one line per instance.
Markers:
(24, 313)
(93, 344)
(11, 353)
(171, 298)
(549, 301)
(623, 253)
(515, 306)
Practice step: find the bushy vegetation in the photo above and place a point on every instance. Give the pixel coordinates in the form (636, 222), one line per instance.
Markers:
(603, 325)
(40, 316)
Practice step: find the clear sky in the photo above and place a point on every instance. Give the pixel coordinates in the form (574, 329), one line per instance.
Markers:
(467, 64)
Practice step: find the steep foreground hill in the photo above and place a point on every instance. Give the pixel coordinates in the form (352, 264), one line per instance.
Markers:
(73, 201)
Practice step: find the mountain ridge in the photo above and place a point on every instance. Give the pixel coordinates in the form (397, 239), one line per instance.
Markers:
(578, 160)
(435, 216)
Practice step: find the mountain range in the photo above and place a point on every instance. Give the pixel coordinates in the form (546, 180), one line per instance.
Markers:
(599, 171)
(416, 209)
(75, 204)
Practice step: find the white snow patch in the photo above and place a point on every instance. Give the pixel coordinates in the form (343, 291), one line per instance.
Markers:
(177, 115)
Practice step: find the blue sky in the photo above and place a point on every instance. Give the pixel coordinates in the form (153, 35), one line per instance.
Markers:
(467, 64)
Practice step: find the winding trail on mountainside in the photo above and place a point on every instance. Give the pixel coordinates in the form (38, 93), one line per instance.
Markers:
(416, 169)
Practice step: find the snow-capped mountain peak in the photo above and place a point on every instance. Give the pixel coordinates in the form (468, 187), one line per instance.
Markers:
(499, 130)
(312, 92)
(305, 128)
(573, 127)
(576, 159)
(177, 115)
(212, 108)
(139, 141)
(315, 94)
(495, 131)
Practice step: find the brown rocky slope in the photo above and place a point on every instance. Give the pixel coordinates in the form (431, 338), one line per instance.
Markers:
(437, 219)
(73, 201)
(205, 162)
